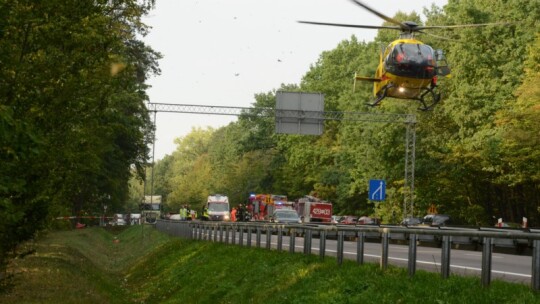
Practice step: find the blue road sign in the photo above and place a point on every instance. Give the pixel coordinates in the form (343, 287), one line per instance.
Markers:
(377, 189)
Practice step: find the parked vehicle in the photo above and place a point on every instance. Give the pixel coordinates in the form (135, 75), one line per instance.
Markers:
(366, 220)
(118, 220)
(286, 216)
(349, 220)
(150, 208)
(135, 219)
(313, 209)
(336, 219)
(218, 208)
(264, 205)
(174, 217)
(411, 221)
(436, 220)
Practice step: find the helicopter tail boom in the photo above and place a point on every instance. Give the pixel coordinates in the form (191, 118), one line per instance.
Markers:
(362, 78)
(370, 79)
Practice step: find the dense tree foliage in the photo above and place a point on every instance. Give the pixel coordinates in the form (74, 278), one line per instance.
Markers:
(476, 153)
(73, 123)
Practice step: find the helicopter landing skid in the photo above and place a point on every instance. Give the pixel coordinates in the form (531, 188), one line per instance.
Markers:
(436, 97)
(381, 96)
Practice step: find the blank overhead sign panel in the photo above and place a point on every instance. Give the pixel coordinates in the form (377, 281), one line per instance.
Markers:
(299, 113)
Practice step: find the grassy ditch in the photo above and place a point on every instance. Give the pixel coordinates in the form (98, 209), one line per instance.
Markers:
(87, 266)
(79, 266)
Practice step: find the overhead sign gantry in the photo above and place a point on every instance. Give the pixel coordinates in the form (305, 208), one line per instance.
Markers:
(294, 117)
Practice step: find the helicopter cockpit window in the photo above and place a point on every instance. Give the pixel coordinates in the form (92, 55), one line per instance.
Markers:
(411, 60)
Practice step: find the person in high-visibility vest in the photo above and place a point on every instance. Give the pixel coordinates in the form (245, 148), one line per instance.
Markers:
(183, 213)
(205, 215)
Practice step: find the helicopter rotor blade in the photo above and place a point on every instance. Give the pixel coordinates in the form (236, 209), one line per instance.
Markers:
(429, 27)
(438, 37)
(352, 25)
(401, 25)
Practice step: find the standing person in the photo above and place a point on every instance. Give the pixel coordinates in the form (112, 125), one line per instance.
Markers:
(190, 213)
(233, 214)
(183, 213)
(241, 213)
(205, 214)
(262, 210)
(250, 210)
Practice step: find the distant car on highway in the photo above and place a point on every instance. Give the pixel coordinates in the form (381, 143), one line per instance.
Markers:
(285, 216)
(118, 220)
(349, 220)
(411, 221)
(175, 217)
(336, 219)
(366, 220)
(436, 220)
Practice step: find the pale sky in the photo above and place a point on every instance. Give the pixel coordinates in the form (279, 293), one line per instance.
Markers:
(223, 52)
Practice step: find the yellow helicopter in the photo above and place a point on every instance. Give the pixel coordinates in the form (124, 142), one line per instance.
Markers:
(408, 68)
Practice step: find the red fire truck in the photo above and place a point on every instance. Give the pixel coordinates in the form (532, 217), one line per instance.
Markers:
(263, 205)
(313, 209)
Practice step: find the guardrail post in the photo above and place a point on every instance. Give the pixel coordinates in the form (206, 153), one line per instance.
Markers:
(202, 232)
(220, 234)
(185, 232)
(233, 235)
(292, 240)
(360, 247)
(268, 237)
(535, 278)
(248, 236)
(241, 236)
(340, 247)
(445, 256)
(227, 239)
(215, 232)
(307, 241)
(322, 244)
(258, 237)
(279, 238)
(412, 254)
(486, 261)
(384, 249)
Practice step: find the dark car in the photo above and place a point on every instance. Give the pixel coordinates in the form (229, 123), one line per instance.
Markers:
(436, 220)
(286, 216)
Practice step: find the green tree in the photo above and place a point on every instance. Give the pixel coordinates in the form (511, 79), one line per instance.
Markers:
(462, 136)
(191, 177)
(73, 120)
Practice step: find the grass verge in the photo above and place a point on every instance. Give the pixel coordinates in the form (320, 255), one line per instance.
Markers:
(87, 266)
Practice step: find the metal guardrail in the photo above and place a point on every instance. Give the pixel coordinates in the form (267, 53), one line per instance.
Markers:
(226, 232)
